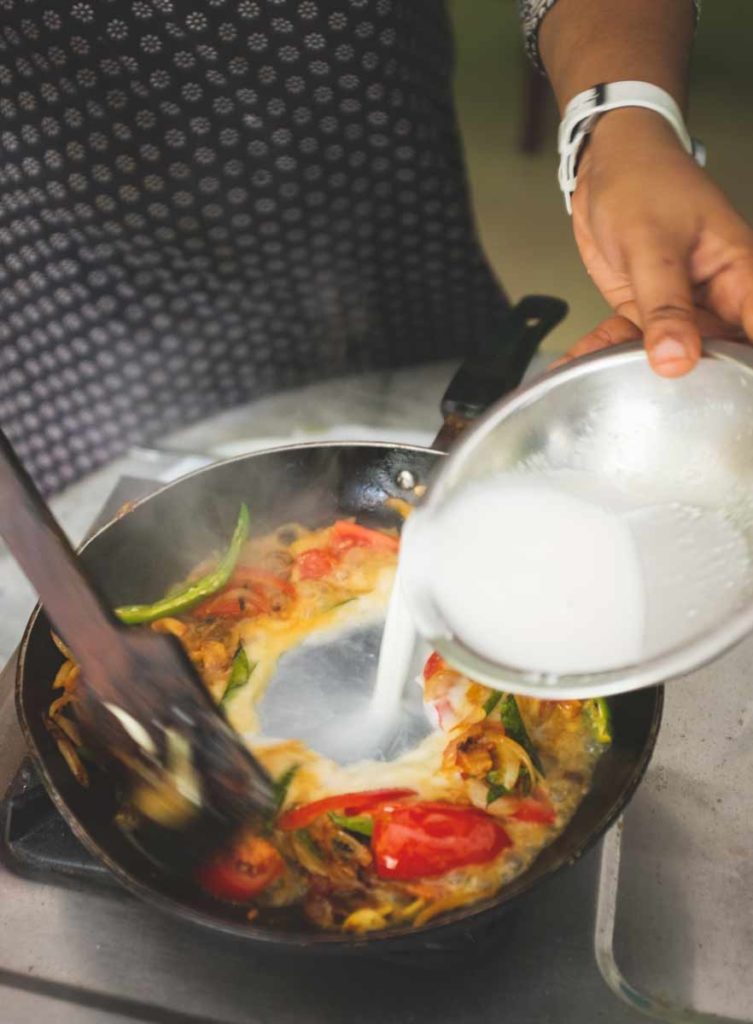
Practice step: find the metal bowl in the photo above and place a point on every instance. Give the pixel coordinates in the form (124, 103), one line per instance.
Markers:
(687, 441)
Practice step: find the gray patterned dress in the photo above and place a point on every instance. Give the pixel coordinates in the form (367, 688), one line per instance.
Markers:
(202, 201)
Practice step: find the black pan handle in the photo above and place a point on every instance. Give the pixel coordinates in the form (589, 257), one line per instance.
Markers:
(485, 378)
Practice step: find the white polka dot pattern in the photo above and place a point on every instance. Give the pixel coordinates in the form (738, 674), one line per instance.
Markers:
(204, 201)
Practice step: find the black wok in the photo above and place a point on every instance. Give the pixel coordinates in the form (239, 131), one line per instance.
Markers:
(137, 556)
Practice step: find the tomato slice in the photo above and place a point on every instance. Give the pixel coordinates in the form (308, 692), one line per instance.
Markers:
(534, 809)
(349, 534)
(240, 874)
(347, 803)
(253, 576)
(314, 563)
(423, 840)
(251, 591)
(233, 603)
(434, 663)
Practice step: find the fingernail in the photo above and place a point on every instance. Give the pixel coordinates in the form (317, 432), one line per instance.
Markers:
(670, 350)
(671, 358)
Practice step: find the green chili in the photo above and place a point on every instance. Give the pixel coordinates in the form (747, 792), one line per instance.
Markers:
(491, 702)
(600, 719)
(496, 788)
(282, 785)
(190, 594)
(240, 673)
(361, 824)
(516, 730)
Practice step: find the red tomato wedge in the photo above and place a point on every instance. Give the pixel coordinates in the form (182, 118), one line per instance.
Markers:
(240, 874)
(538, 811)
(314, 563)
(349, 534)
(347, 803)
(423, 840)
(434, 663)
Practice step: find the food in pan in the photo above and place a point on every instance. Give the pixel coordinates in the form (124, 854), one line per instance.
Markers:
(371, 845)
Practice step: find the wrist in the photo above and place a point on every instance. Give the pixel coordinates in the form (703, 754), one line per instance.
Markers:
(630, 127)
(637, 131)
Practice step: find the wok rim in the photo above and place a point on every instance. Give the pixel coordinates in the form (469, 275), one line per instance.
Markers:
(472, 915)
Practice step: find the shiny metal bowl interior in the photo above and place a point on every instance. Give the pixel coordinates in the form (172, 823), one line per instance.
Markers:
(689, 440)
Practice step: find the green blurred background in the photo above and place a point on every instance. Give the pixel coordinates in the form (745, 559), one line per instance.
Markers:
(519, 210)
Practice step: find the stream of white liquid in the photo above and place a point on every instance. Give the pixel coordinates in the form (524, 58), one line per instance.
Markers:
(344, 692)
(396, 656)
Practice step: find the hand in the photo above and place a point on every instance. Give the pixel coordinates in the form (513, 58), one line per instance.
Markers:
(661, 242)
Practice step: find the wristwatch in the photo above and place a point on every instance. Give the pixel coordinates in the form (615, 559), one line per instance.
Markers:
(584, 110)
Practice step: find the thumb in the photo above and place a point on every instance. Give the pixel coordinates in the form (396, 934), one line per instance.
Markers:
(663, 295)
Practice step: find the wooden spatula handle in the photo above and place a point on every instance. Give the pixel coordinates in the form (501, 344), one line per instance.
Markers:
(42, 550)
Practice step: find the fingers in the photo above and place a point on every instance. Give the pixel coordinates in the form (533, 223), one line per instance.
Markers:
(730, 290)
(712, 326)
(746, 313)
(664, 300)
(744, 284)
(617, 329)
(612, 331)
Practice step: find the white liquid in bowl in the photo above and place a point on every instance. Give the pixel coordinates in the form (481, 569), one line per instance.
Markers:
(561, 574)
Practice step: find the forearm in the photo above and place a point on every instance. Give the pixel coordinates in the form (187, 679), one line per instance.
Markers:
(584, 42)
(658, 237)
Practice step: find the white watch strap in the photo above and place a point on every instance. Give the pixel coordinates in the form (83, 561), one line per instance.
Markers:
(583, 111)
